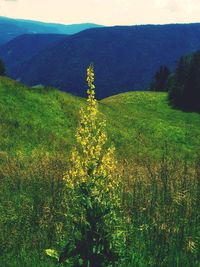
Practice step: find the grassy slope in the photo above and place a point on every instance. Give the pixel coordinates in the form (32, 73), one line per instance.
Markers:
(138, 123)
(144, 122)
(31, 193)
(34, 118)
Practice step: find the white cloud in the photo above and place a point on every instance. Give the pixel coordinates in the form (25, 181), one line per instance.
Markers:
(177, 5)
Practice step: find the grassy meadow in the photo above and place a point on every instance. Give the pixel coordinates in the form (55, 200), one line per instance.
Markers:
(157, 149)
(138, 123)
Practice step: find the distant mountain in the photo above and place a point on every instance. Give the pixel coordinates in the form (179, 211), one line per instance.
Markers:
(125, 58)
(11, 28)
(24, 47)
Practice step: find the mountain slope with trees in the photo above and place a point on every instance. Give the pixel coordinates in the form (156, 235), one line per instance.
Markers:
(25, 46)
(11, 28)
(125, 57)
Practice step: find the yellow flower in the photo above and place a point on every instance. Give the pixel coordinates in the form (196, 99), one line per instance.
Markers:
(90, 160)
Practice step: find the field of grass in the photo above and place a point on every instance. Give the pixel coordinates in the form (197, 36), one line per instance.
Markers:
(157, 149)
(138, 123)
(142, 123)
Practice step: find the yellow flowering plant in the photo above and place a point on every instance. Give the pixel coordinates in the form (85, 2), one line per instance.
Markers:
(91, 162)
(92, 191)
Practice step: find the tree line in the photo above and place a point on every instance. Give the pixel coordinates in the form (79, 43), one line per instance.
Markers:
(183, 85)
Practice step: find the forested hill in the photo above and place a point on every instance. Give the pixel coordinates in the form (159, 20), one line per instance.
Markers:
(25, 46)
(11, 28)
(125, 57)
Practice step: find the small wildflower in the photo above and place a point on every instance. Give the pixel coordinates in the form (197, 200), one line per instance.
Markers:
(191, 245)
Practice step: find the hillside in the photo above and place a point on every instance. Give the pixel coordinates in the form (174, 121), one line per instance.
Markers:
(125, 58)
(11, 28)
(156, 148)
(139, 123)
(25, 46)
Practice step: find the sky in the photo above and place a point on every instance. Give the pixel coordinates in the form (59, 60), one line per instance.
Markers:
(104, 12)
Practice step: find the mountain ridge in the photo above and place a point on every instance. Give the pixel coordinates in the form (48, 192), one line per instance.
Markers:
(11, 28)
(125, 57)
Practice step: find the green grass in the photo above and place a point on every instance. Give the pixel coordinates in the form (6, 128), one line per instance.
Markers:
(144, 123)
(138, 123)
(161, 175)
(36, 118)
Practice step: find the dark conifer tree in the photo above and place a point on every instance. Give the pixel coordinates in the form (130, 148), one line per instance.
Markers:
(184, 89)
(177, 86)
(191, 96)
(160, 79)
(2, 68)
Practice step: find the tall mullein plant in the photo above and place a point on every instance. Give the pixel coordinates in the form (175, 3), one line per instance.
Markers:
(94, 189)
(92, 162)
